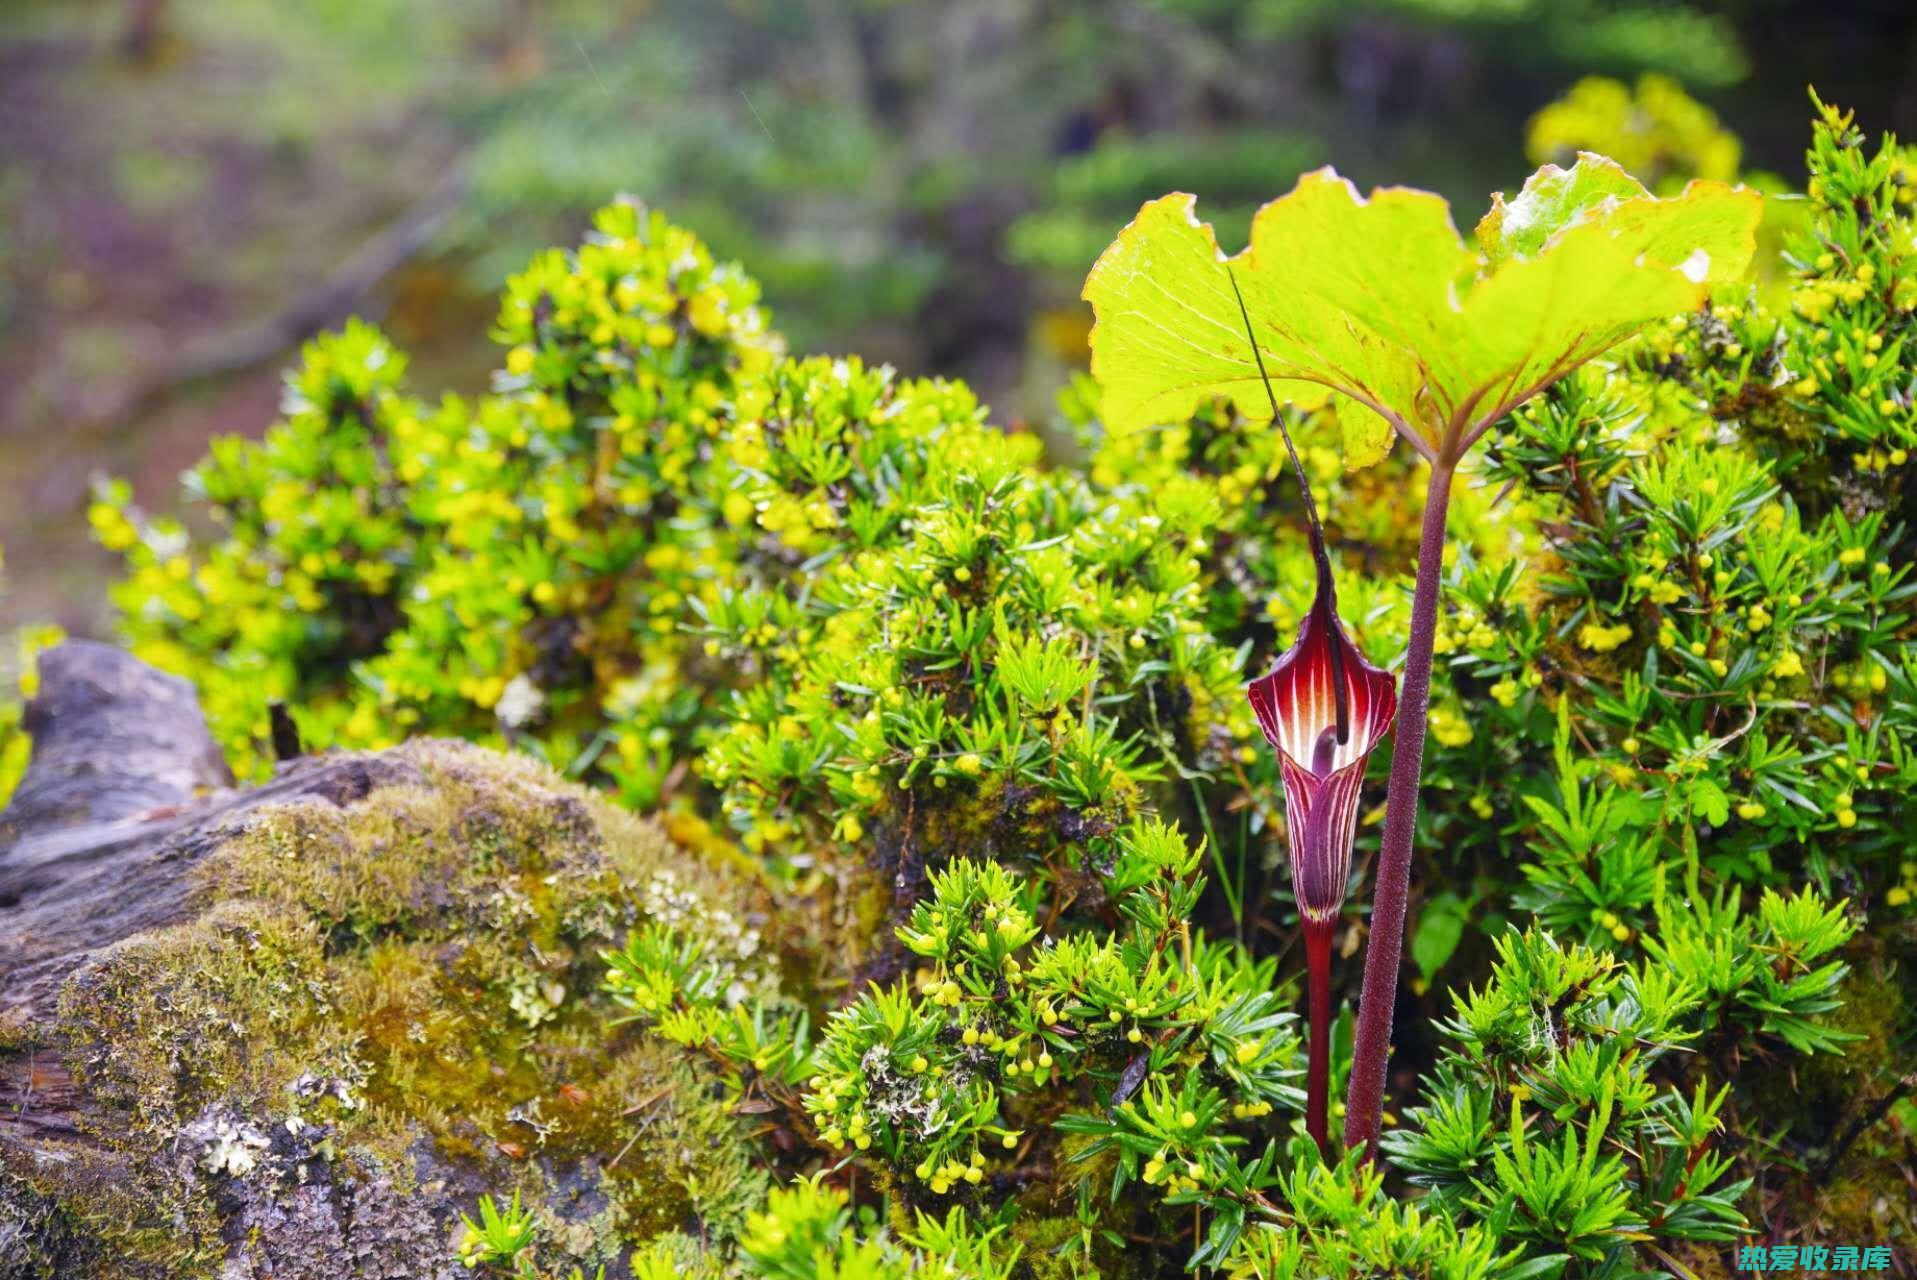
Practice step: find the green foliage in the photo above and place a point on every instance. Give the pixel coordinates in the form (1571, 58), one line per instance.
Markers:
(20, 671)
(1555, 1118)
(1760, 974)
(1845, 357)
(475, 567)
(967, 636)
(809, 1231)
(675, 978)
(1010, 1022)
(999, 1027)
(1728, 625)
(973, 714)
(1341, 1222)
(1657, 132)
(505, 1239)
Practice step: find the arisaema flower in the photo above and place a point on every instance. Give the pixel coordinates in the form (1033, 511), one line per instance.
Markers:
(1325, 708)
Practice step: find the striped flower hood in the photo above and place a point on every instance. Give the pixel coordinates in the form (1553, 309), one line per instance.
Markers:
(1299, 704)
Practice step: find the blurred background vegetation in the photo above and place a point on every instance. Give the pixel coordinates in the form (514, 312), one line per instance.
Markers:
(190, 187)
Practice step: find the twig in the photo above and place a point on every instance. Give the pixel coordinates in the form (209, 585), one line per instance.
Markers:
(1878, 1110)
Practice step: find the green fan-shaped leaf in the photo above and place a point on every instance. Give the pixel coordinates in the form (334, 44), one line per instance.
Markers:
(1380, 301)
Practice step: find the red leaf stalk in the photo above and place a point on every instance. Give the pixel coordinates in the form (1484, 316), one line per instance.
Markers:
(1364, 1099)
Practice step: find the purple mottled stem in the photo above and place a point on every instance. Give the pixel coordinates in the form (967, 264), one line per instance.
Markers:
(1364, 1100)
(1318, 1065)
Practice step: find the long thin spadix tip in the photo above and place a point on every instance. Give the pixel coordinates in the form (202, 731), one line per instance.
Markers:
(1326, 594)
(1257, 355)
(1278, 418)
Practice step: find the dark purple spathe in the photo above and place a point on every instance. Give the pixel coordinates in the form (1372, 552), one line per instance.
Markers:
(1297, 707)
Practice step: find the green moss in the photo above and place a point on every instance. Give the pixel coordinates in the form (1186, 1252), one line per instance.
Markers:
(1828, 1093)
(228, 1007)
(1820, 1094)
(74, 1214)
(693, 1144)
(424, 963)
(17, 1034)
(1871, 1204)
(1877, 1011)
(1054, 1248)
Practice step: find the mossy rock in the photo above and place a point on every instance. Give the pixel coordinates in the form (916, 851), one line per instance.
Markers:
(368, 1012)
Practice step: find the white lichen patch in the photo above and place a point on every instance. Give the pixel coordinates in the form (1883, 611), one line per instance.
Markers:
(665, 899)
(227, 1144)
(520, 703)
(535, 1000)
